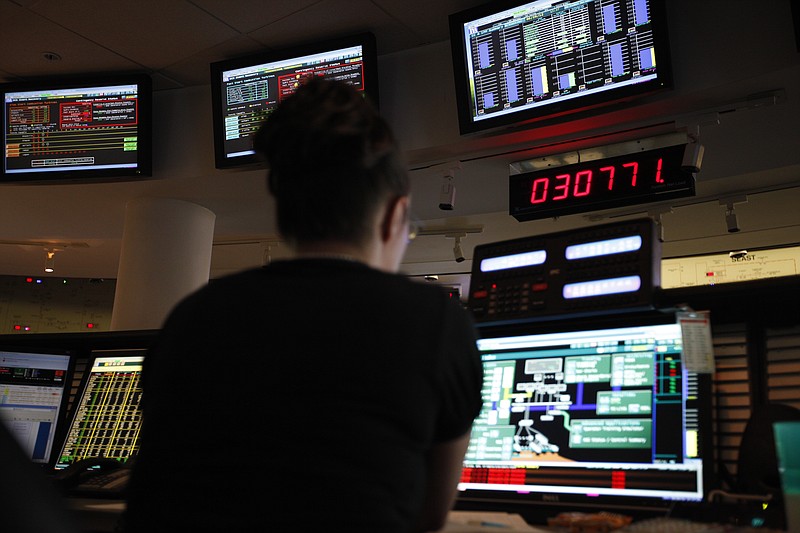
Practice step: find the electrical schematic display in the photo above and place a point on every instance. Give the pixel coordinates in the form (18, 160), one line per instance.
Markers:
(83, 128)
(605, 412)
(540, 55)
(107, 417)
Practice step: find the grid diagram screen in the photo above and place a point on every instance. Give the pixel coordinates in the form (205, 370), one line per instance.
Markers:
(31, 399)
(545, 52)
(601, 412)
(107, 417)
(83, 128)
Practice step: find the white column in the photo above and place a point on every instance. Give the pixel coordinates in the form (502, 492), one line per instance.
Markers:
(165, 255)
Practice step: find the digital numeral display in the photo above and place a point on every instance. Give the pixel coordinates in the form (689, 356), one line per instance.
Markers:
(637, 178)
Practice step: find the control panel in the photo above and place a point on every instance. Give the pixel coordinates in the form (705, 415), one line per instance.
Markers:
(589, 271)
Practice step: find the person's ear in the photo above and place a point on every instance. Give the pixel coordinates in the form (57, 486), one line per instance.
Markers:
(395, 218)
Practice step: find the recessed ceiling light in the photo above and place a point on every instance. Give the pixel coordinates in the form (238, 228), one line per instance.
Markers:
(51, 56)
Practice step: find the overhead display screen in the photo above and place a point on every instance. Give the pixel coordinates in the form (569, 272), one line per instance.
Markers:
(77, 129)
(518, 61)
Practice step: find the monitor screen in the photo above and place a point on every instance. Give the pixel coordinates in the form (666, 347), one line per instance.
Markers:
(34, 392)
(245, 90)
(600, 417)
(83, 130)
(515, 61)
(106, 418)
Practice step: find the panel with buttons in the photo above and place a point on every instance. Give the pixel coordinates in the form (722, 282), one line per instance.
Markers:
(588, 271)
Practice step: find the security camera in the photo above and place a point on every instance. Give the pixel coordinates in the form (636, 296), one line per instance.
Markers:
(692, 157)
(447, 196)
(458, 253)
(732, 222)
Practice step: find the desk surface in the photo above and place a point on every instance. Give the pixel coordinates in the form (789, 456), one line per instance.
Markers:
(101, 515)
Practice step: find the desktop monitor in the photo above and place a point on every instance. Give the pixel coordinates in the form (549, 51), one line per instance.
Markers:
(600, 415)
(245, 90)
(516, 62)
(34, 394)
(77, 129)
(106, 418)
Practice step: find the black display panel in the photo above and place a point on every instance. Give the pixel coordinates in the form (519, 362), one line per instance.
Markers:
(516, 61)
(633, 179)
(245, 90)
(602, 414)
(77, 129)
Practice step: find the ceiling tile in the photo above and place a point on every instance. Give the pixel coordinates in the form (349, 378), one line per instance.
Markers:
(195, 70)
(315, 23)
(22, 57)
(248, 15)
(434, 25)
(154, 33)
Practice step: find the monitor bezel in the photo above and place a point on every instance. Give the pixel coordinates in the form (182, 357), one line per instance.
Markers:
(564, 109)
(370, 61)
(63, 417)
(541, 504)
(144, 160)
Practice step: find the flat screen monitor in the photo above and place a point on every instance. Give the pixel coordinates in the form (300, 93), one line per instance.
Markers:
(77, 129)
(34, 394)
(106, 419)
(245, 90)
(516, 62)
(588, 417)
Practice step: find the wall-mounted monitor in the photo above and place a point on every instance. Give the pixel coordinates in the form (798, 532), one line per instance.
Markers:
(516, 62)
(77, 129)
(245, 90)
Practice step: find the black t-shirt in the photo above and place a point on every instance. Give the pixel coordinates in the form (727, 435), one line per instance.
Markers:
(301, 396)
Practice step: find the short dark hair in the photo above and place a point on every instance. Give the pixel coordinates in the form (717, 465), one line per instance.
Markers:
(333, 161)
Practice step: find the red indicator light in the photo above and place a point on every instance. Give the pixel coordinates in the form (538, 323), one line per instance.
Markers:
(709, 274)
(89, 325)
(28, 280)
(480, 294)
(17, 327)
(537, 287)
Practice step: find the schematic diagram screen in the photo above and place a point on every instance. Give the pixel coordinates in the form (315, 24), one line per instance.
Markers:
(598, 412)
(544, 56)
(248, 94)
(75, 129)
(107, 418)
(32, 399)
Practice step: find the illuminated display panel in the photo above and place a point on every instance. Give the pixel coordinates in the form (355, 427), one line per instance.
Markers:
(33, 398)
(520, 61)
(77, 129)
(632, 179)
(245, 90)
(107, 416)
(607, 415)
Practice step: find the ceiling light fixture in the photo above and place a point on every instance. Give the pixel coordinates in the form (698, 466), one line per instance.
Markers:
(49, 260)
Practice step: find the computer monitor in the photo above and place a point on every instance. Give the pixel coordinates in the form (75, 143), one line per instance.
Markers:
(594, 415)
(516, 61)
(246, 90)
(34, 393)
(77, 129)
(106, 419)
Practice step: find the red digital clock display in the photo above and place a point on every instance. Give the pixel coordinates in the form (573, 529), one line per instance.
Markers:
(638, 178)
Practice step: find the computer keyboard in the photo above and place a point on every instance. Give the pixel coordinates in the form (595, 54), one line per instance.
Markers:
(668, 525)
